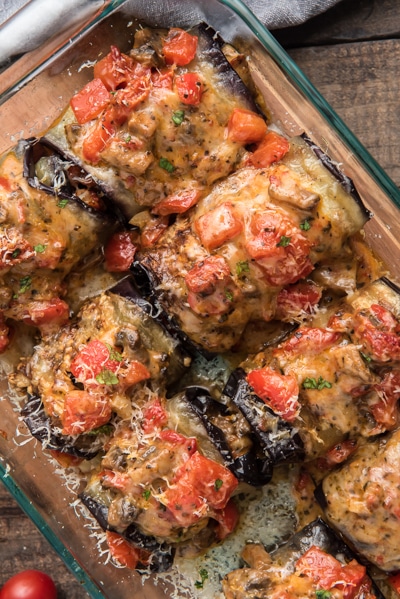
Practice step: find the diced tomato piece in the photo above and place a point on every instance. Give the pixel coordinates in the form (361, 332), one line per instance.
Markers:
(119, 252)
(337, 454)
(385, 411)
(162, 79)
(279, 247)
(201, 485)
(4, 334)
(154, 416)
(297, 299)
(189, 444)
(115, 480)
(395, 582)
(83, 412)
(190, 88)
(310, 341)
(279, 391)
(153, 231)
(65, 460)
(271, 149)
(92, 360)
(177, 203)
(227, 519)
(379, 333)
(327, 572)
(115, 69)
(125, 100)
(218, 226)
(90, 101)
(99, 136)
(179, 47)
(5, 183)
(135, 372)
(122, 551)
(46, 312)
(205, 275)
(246, 127)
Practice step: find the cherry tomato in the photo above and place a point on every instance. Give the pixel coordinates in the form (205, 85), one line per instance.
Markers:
(119, 252)
(153, 231)
(94, 358)
(245, 126)
(29, 584)
(84, 411)
(90, 101)
(298, 298)
(378, 332)
(177, 203)
(218, 226)
(190, 88)
(123, 551)
(310, 340)
(115, 69)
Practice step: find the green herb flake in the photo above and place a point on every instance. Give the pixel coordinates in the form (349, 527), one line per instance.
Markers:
(178, 117)
(24, 284)
(113, 353)
(241, 267)
(365, 357)
(283, 242)
(106, 429)
(128, 139)
(40, 248)
(16, 253)
(312, 383)
(322, 594)
(146, 494)
(229, 295)
(107, 377)
(218, 484)
(203, 577)
(166, 165)
(62, 203)
(305, 225)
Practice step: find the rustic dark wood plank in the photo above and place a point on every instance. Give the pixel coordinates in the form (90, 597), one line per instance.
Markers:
(361, 83)
(22, 546)
(348, 21)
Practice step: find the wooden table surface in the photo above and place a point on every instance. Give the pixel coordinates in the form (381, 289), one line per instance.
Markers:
(352, 56)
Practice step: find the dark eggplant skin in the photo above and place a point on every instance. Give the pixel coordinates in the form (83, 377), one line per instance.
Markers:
(34, 148)
(249, 468)
(41, 428)
(289, 448)
(343, 179)
(146, 283)
(162, 555)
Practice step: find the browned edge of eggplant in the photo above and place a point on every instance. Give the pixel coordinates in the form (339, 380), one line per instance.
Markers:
(289, 448)
(162, 555)
(85, 446)
(249, 467)
(333, 168)
(34, 148)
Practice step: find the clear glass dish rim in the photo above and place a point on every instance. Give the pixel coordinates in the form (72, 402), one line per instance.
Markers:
(290, 68)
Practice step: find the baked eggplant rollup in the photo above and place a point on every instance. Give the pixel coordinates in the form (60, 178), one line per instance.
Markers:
(362, 498)
(93, 372)
(151, 125)
(313, 563)
(265, 228)
(43, 237)
(335, 380)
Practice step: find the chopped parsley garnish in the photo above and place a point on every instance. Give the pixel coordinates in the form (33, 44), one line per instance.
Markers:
(283, 242)
(241, 267)
(113, 353)
(24, 284)
(229, 295)
(62, 203)
(365, 357)
(322, 594)
(178, 117)
(128, 139)
(305, 225)
(312, 383)
(146, 494)
(203, 577)
(106, 429)
(166, 165)
(16, 253)
(107, 377)
(218, 484)
(40, 248)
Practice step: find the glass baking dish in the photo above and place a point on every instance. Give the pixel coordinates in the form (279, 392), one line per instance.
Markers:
(34, 90)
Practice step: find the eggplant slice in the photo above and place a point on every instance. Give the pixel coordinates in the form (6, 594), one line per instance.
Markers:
(305, 566)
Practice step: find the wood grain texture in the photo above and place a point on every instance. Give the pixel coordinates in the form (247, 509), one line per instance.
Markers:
(351, 54)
